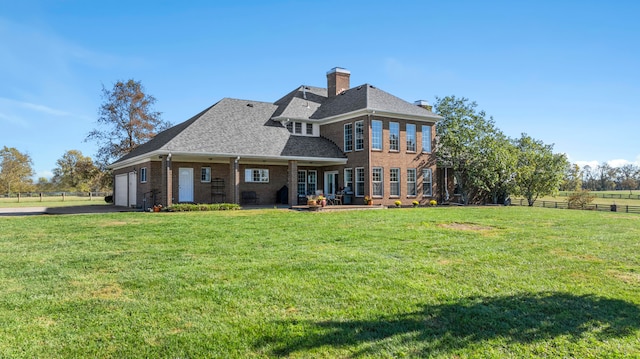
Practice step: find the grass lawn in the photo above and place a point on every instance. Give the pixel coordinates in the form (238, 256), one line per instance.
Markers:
(442, 282)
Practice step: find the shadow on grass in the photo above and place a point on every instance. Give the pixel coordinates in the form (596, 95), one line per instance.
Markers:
(440, 328)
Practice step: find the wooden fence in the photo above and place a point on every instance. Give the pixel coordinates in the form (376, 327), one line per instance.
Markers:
(606, 195)
(590, 207)
(53, 196)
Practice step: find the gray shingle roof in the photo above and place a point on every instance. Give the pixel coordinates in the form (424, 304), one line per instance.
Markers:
(370, 98)
(239, 128)
(301, 103)
(245, 128)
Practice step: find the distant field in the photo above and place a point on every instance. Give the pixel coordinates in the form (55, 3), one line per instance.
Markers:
(600, 200)
(443, 282)
(50, 201)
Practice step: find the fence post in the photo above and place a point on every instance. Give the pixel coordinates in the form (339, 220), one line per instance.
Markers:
(89, 196)
(40, 196)
(18, 197)
(62, 196)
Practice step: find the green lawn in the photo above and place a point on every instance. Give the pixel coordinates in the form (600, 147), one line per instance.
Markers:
(442, 282)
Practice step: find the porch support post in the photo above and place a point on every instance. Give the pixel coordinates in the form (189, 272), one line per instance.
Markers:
(234, 169)
(293, 183)
(167, 181)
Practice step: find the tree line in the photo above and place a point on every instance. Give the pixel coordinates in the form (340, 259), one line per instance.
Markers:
(126, 120)
(603, 177)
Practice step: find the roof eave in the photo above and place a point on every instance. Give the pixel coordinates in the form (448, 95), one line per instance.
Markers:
(369, 111)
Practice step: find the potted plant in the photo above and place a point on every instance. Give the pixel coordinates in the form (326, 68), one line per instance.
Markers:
(368, 200)
(398, 203)
(321, 200)
(415, 204)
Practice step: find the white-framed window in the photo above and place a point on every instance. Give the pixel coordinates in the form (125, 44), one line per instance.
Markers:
(376, 182)
(427, 182)
(309, 129)
(426, 138)
(348, 137)
(359, 182)
(411, 137)
(394, 182)
(143, 175)
(348, 180)
(411, 182)
(205, 174)
(256, 175)
(290, 126)
(394, 136)
(302, 183)
(376, 135)
(312, 181)
(359, 135)
(298, 128)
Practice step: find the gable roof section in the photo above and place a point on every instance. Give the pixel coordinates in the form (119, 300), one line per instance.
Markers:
(368, 97)
(300, 103)
(234, 127)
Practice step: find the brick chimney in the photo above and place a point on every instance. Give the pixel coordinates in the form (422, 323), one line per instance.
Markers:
(424, 104)
(337, 81)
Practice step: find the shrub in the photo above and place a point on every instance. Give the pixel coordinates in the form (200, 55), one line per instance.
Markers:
(190, 207)
(398, 203)
(433, 202)
(580, 199)
(108, 199)
(415, 203)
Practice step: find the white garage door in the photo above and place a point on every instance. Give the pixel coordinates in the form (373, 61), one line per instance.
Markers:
(121, 191)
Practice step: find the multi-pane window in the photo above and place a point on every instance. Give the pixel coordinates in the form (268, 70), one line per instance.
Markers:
(376, 182)
(426, 138)
(427, 182)
(205, 174)
(411, 182)
(298, 128)
(309, 129)
(359, 182)
(312, 180)
(290, 126)
(411, 137)
(348, 179)
(348, 137)
(359, 136)
(143, 175)
(256, 175)
(302, 183)
(394, 136)
(394, 182)
(376, 135)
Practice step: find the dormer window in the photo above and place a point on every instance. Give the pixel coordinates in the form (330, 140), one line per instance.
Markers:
(301, 128)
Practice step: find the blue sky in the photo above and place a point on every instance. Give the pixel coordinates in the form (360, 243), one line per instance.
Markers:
(564, 72)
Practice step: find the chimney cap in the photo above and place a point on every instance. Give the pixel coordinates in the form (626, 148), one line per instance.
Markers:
(422, 103)
(340, 70)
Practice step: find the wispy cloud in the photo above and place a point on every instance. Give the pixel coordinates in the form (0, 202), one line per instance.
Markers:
(35, 107)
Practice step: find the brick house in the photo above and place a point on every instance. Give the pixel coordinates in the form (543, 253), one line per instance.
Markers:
(360, 141)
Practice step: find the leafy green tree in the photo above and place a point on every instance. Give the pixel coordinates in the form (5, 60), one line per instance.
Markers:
(626, 177)
(572, 178)
(481, 157)
(126, 121)
(15, 171)
(75, 172)
(44, 185)
(540, 171)
(605, 177)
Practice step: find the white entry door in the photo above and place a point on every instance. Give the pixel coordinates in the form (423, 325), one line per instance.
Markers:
(132, 189)
(185, 184)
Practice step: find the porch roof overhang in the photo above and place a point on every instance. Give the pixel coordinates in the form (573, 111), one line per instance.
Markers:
(158, 155)
(374, 112)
